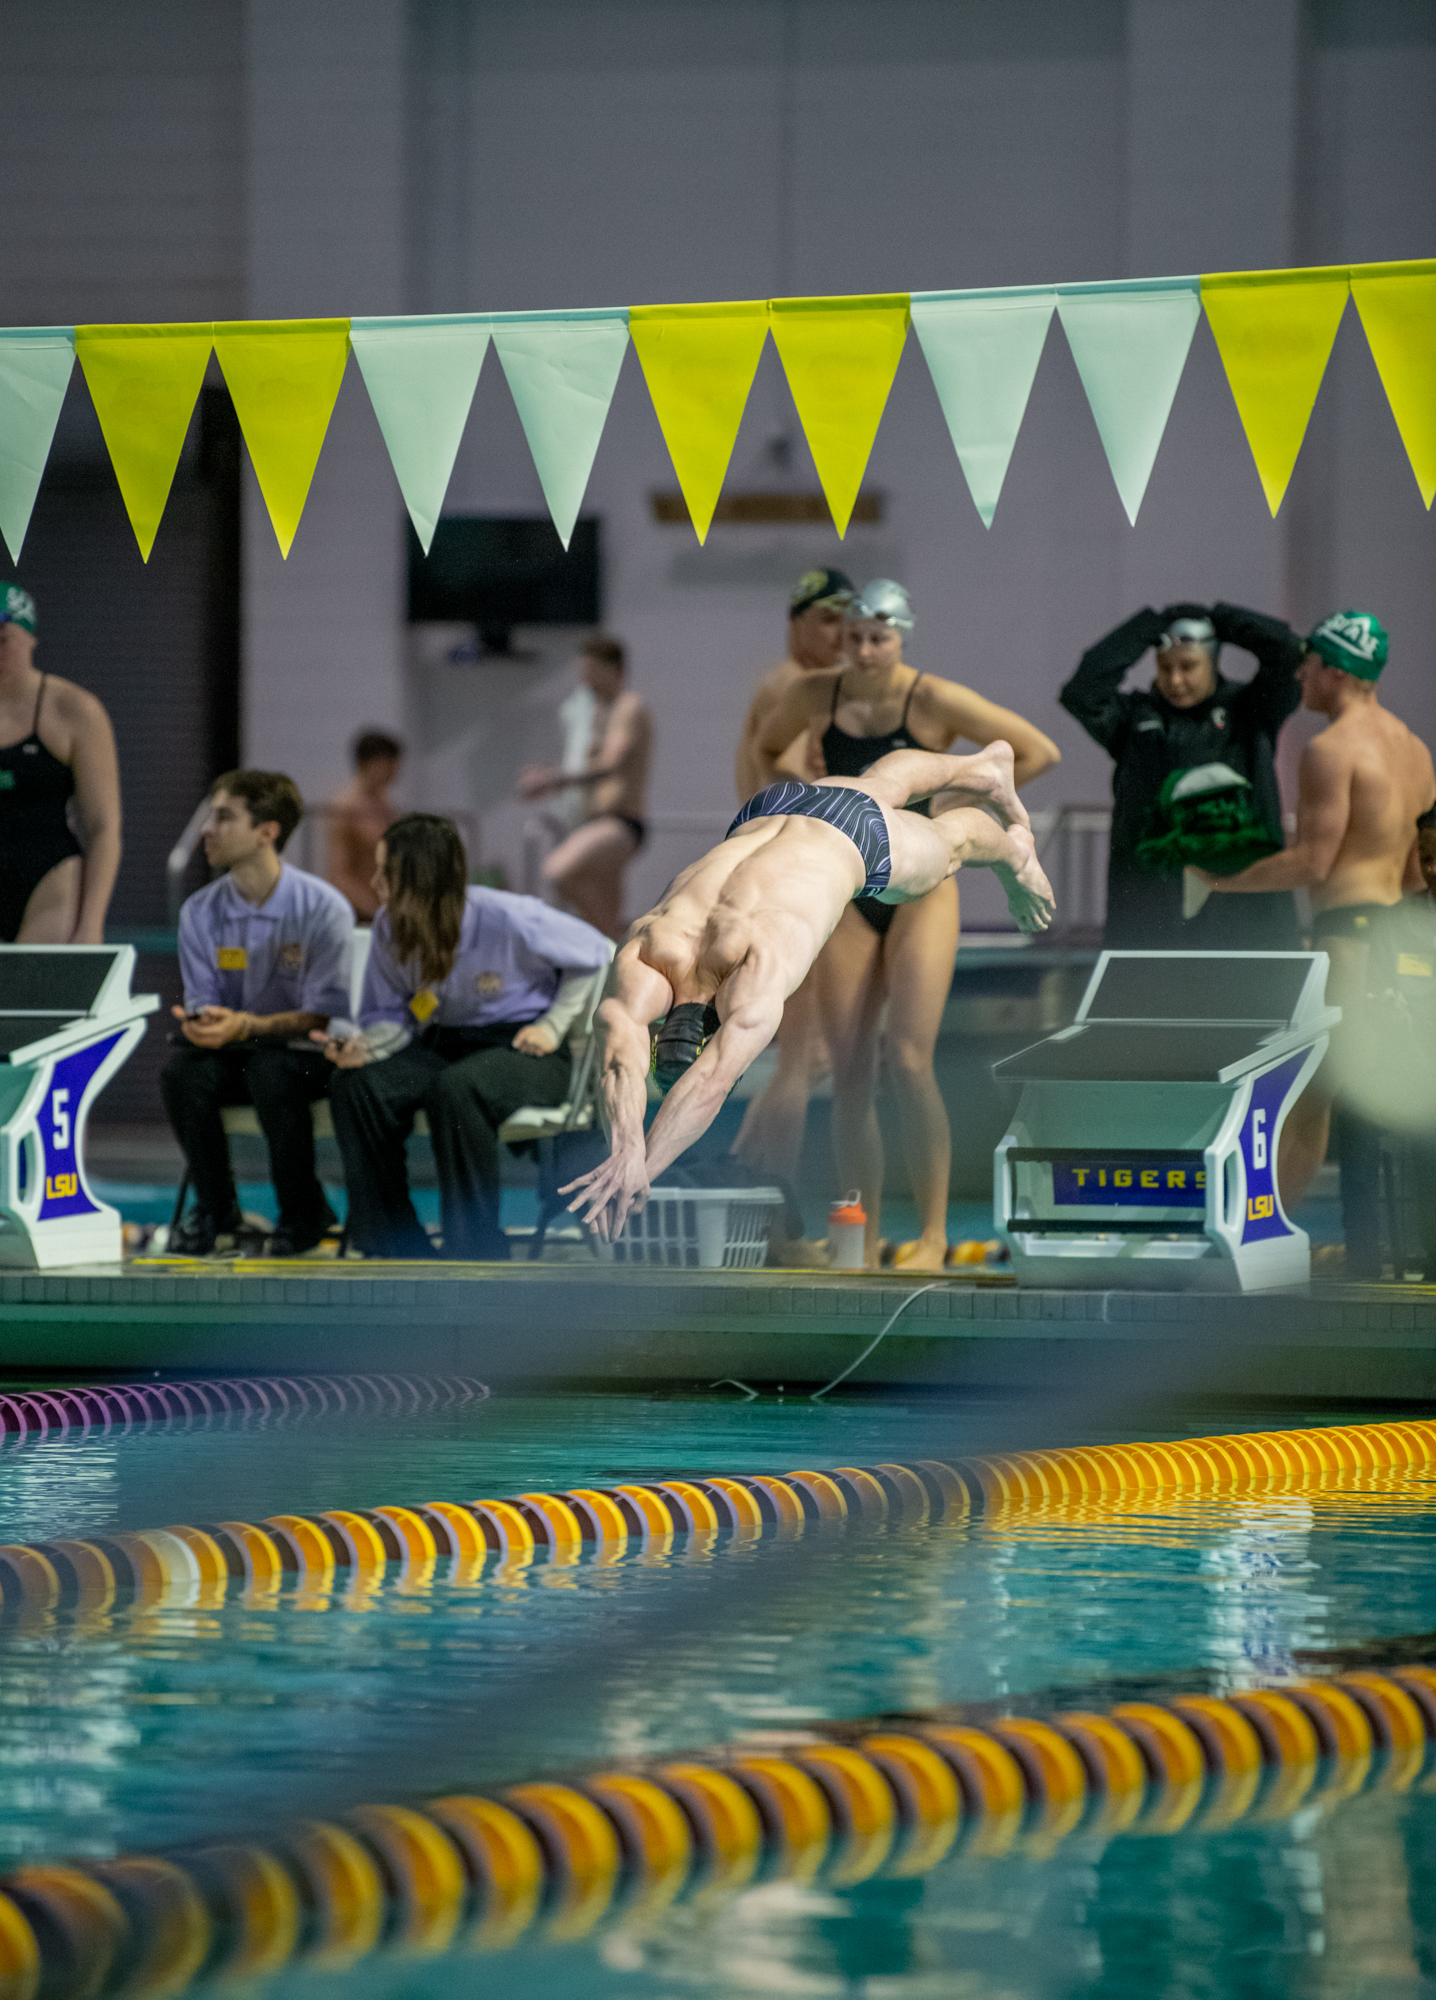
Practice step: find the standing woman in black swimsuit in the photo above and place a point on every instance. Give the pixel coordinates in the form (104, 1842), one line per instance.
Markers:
(893, 957)
(56, 744)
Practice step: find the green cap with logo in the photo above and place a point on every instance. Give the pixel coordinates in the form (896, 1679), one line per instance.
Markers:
(17, 606)
(1355, 641)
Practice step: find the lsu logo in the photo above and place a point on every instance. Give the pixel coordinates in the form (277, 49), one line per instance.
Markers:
(58, 1187)
(291, 958)
(489, 984)
(1260, 1206)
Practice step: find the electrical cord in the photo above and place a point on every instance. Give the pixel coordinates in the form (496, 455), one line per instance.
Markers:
(891, 1322)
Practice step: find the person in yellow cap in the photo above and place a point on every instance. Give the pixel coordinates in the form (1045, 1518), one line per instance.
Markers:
(1364, 783)
(59, 795)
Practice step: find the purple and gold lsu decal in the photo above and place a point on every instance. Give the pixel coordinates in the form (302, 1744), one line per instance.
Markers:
(1263, 1216)
(60, 1117)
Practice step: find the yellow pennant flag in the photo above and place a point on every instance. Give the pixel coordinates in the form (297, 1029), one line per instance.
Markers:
(284, 377)
(1397, 303)
(1274, 331)
(840, 356)
(699, 363)
(144, 382)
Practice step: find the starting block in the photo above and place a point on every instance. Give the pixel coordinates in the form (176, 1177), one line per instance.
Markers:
(1143, 1148)
(67, 1022)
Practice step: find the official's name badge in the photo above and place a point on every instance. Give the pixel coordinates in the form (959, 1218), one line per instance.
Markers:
(291, 957)
(231, 958)
(423, 1003)
(489, 983)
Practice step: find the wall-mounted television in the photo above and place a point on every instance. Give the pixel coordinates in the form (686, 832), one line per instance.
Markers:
(496, 571)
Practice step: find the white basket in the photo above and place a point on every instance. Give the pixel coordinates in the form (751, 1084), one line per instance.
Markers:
(701, 1229)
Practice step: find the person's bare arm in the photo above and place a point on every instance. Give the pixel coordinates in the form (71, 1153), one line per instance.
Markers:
(97, 797)
(962, 713)
(1323, 810)
(628, 729)
(747, 770)
(637, 995)
(351, 859)
(784, 722)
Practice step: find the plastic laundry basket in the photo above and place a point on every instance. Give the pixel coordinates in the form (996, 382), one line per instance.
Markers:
(701, 1229)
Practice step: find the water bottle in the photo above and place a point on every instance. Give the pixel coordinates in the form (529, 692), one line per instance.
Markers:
(847, 1228)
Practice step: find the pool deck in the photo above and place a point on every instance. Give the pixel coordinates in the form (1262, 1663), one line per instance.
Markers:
(581, 1324)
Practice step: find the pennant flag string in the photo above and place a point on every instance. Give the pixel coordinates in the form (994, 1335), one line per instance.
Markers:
(1130, 342)
(982, 351)
(1397, 304)
(284, 378)
(35, 367)
(562, 369)
(699, 363)
(1275, 331)
(421, 375)
(144, 382)
(1129, 339)
(840, 357)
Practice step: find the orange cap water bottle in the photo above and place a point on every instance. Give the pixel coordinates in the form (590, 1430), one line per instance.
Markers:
(847, 1230)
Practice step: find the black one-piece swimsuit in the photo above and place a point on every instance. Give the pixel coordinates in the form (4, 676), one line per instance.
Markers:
(849, 757)
(35, 832)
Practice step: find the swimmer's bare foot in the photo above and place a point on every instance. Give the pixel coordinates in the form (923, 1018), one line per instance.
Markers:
(1027, 889)
(988, 778)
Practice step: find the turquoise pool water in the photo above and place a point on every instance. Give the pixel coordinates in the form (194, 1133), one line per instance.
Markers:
(148, 1727)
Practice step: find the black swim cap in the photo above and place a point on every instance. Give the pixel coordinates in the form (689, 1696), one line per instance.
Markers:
(683, 1034)
(820, 586)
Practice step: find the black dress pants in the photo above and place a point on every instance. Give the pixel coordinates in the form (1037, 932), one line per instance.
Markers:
(466, 1093)
(281, 1083)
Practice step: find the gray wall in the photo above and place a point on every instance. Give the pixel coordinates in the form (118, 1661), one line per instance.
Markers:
(248, 157)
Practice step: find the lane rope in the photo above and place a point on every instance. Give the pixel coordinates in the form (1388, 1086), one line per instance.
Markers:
(837, 1804)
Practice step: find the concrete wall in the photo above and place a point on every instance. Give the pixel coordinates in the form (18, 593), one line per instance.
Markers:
(245, 157)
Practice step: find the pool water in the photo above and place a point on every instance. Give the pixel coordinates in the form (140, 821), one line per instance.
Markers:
(145, 1727)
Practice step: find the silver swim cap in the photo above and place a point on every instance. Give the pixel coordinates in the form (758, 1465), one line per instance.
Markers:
(882, 598)
(1190, 632)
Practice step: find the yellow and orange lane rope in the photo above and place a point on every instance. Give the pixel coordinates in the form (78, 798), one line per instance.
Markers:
(317, 1548)
(548, 1859)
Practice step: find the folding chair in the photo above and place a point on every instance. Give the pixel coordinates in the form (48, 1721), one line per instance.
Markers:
(544, 1125)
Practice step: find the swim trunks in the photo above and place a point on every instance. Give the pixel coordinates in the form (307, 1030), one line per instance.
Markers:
(1350, 920)
(854, 813)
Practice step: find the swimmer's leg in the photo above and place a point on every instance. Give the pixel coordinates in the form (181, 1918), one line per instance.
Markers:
(53, 908)
(925, 852)
(905, 776)
(586, 871)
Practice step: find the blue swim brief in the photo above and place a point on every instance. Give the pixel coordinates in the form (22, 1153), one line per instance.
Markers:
(852, 812)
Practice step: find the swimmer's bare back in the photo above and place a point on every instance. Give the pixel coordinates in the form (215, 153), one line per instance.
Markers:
(772, 891)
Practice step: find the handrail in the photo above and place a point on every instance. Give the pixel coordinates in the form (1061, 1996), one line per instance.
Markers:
(181, 855)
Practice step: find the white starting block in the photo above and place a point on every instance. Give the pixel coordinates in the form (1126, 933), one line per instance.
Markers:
(1143, 1149)
(67, 1022)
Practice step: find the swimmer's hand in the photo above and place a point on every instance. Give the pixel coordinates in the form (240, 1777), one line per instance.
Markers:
(534, 1039)
(611, 1193)
(351, 1054)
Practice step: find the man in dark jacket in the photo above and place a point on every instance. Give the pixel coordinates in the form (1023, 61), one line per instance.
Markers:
(1189, 718)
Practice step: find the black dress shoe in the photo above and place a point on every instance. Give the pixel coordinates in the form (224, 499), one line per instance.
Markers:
(291, 1240)
(198, 1232)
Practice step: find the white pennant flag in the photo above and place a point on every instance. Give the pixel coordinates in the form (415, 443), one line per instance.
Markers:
(35, 364)
(1130, 341)
(562, 369)
(982, 351)
(421, 375)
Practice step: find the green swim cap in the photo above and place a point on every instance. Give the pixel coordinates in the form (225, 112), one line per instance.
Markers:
(17, 606)
(1355, 641)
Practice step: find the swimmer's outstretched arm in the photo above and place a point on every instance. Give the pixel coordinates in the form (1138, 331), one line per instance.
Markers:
(608, 1194)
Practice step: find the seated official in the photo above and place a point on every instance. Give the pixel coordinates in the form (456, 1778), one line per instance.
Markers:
(264, 958)
(468, 996)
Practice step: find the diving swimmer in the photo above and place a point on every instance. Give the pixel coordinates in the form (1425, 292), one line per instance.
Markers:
(737, 932)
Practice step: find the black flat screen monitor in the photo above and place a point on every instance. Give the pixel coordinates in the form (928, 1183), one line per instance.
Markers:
(495, 571)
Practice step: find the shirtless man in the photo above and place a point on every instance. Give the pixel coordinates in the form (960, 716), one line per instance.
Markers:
(586, 870)
(771, 1135)
(1364, 782)
(738, 931)
(359, 815)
